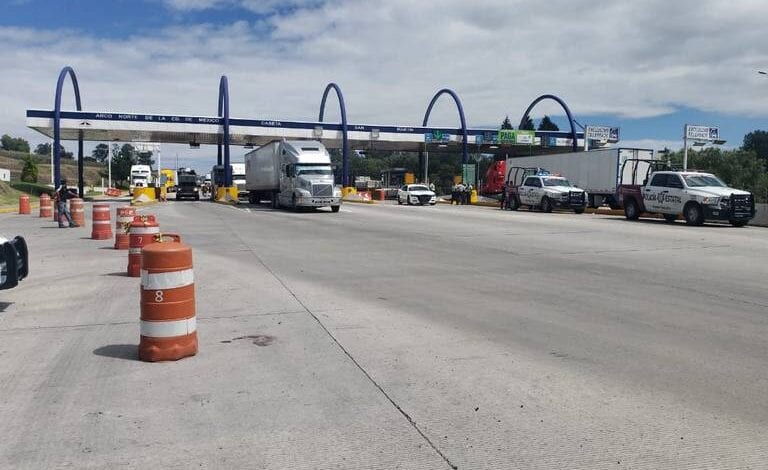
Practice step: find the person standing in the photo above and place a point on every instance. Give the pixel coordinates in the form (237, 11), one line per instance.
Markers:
(62, 195)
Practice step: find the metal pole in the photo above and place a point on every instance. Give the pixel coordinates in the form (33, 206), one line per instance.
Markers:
(109, 163)
(426, 167)
(53, 181)
(586, 139)
(685, 147)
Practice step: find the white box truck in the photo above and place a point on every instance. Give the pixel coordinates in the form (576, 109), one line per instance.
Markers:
(141, 176)
(595, 171)
(291, 173)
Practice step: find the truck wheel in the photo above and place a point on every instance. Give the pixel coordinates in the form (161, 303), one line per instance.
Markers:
(670, 218)
(335, 208)
(592, 202)
(251, 198)
(293, 202)
(631, 211)
(693, 214)
(579, 210)
(738, 223)
(513, 204)
(546, 204)
(197, 197)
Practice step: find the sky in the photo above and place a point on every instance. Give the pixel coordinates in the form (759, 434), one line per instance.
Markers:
(648, 67)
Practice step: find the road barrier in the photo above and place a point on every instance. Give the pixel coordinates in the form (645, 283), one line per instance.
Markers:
(46, 206)
(24, 207)
(168, 322)
(77, 211)
(101, 222)
(123, 218)
(142, 232)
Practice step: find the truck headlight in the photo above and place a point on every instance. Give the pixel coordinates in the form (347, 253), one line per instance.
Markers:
(710, 201)
(564, 196)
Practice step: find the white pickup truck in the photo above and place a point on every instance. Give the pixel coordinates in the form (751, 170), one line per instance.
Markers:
(697, 196)
(537, 188)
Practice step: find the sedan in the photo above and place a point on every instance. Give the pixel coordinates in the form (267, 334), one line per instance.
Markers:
(416, 194)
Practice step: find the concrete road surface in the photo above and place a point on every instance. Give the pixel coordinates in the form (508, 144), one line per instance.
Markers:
(388, 337)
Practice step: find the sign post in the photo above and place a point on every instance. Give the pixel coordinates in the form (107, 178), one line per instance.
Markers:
(607, 134)
(699, 134)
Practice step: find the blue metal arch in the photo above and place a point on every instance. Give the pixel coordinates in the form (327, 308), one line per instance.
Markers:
(344, 130)
(224, 114)
(67, 70)
(464, 151)
(565, 108)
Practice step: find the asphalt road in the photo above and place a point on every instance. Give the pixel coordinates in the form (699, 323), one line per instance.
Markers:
(397, 337)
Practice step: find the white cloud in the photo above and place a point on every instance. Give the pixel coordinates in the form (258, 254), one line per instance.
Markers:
(629, 59)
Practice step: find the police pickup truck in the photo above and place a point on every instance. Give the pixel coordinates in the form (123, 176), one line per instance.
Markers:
(537, 188)
(697, 196)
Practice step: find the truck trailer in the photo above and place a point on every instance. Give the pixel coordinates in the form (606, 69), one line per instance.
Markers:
(291, 173)
(598, 172)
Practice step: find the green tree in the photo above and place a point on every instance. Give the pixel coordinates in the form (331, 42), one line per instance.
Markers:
(100, 153)
(757, 141)
(546, 124)
(123, 158)
(144, 158)
(14, 144)
(506, 124)
(29, 170)
(64, 154)
(527, 125)
(43, 149)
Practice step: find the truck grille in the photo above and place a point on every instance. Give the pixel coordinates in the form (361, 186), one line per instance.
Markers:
(742, 205)
(322, 190)
(576, 198)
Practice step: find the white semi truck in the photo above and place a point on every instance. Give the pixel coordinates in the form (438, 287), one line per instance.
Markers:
(596, 171)
(141, 176)
(291, 173)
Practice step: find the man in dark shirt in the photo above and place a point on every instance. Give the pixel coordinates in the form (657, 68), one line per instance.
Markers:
(62, 195)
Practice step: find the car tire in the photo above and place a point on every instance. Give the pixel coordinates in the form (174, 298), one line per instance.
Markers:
(335, 209)
(631, 210)
(738, 223)
(693, 214)
(546, 204)
(579, 210)
(513, 204)
(399, 202)
(197, 197)
(293, 202)
(670, 218)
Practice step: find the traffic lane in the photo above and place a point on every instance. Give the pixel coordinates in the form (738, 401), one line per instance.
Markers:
(269, 388)
(598, 347)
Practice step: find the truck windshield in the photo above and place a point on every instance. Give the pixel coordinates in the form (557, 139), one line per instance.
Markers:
(556, 182)
(238, 177)
(313, 170)
(695, 181)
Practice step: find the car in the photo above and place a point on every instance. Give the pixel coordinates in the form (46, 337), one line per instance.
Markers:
(416, 194)
(14, 262)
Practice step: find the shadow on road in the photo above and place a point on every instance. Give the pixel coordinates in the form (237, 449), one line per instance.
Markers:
(117, 274)
(4, 306)
(119, 351)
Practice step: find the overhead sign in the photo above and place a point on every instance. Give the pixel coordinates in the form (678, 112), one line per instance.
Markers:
(436, 136)
(702, 132)
(516, 137)
(610, 134)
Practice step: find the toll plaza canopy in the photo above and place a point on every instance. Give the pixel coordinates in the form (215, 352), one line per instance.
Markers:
(204, 130)
(223, 130)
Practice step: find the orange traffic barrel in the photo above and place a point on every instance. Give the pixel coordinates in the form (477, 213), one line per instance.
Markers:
(168, 323)
(46, 206)
(24, 207)
(77, 211)
(123, 219)
(142, 232)
(102, 222)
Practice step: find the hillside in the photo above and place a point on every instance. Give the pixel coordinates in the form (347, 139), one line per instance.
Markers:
(13, 161)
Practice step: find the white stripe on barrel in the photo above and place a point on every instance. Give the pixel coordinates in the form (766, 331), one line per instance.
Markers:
(168, 329)
(167, 280)
(102, 222)
(144, 230)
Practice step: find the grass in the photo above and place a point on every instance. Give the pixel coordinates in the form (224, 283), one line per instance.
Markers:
(9, 197)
